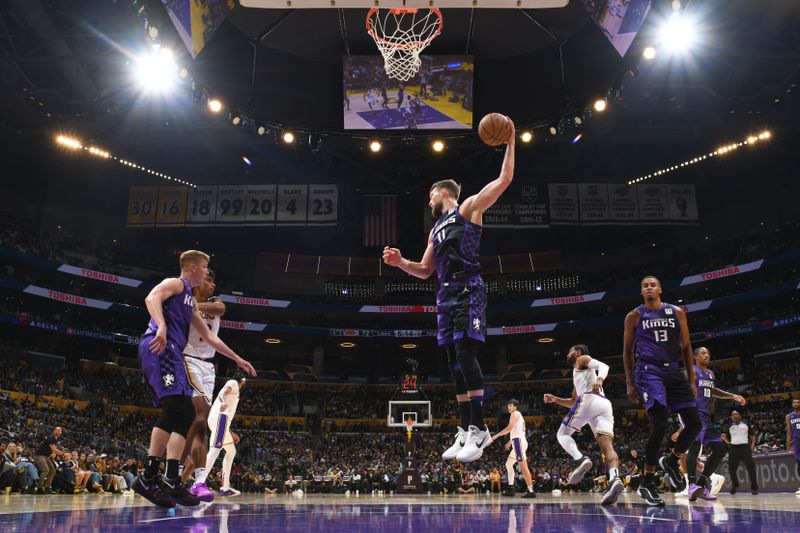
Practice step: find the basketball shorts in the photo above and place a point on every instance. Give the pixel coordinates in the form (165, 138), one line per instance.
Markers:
(594, 410)
(164, 373)
(201, 376)
(219, 424)
(518, 448)
(461, 310)
(710, 430)
(665, 385)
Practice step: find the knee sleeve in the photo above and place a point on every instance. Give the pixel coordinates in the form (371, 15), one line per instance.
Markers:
(467, 358)
(658, 428)
(455, 370)
(691, 427)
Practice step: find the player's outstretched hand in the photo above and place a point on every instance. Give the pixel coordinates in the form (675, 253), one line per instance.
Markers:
(512, 135)
(739, 399)
(549, 398)
(633, 394)
(392, 256)
(247, 367)
(159, 342)
(508, 445)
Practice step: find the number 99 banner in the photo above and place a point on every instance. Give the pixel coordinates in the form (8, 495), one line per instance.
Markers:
(234, 205)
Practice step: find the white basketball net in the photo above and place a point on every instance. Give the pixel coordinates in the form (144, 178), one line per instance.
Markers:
(401, 35)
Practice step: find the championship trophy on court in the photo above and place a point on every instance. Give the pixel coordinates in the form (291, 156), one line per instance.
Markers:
(409, 409)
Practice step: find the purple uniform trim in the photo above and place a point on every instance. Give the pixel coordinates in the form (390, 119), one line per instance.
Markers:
(517, 449)
(222, 428)
(658, 335)
(794, 422)
(571, 414)
(709, 432)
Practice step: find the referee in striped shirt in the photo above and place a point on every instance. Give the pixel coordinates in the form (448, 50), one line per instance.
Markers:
(742, 443)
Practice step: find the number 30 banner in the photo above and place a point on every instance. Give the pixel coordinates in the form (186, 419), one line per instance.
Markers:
(234, 205)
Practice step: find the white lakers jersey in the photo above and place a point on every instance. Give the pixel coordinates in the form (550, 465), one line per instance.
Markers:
(231, 400)
(584, 380)
(197, 345)
(517, 426)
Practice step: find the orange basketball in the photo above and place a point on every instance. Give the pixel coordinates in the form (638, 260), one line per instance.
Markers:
(494, 129)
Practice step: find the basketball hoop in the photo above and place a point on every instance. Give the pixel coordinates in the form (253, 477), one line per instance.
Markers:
(409, 428)
(401, 34)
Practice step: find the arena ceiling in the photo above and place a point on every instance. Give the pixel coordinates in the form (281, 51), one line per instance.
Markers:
(65, 65)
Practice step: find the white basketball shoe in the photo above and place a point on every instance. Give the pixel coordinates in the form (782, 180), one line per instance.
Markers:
(477, 440)
(458, 445)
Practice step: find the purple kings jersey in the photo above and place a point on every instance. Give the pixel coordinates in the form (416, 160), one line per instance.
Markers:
(794, 422)
(178, 311)
(658, 335)
(455, 244)
(705, 389)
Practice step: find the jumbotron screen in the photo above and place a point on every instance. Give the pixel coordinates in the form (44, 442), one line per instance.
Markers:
(438, 97)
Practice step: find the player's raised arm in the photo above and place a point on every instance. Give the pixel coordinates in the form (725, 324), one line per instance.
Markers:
(627, 354)
(586, 361)
(686, 349)
(422, 269)
(215, 342)
(487, 197)
(155, 306)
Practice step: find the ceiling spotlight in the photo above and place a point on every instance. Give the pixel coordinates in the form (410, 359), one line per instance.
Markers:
(553, 130)
(272, 341)
(526, 136)
(69, 142)
(578, 121)
(214, 105)
(347, 344)
(247, 161)
(156, 70)
(577, 138)
(375, 145)
(678, 33)
(236, 120)
(649, 53)
(545, 340)
(409, 346)
(438, 146)
(600, 105)
(261, 130)
(288, 137)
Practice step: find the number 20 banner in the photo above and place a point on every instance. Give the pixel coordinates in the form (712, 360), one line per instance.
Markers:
(234, 205)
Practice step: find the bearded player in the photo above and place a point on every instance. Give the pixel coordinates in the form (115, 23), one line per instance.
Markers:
(452, 252)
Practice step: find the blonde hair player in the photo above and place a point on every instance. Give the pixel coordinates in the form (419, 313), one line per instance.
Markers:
(588, 405)
(198, 356)
(172, 310)
(222, 438)
(518, 445)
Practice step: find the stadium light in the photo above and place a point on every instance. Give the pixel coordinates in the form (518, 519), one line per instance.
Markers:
(157, 70)
(375, 145)
(526, 136)
(347, 344)
(214, 105)
(649, 53)
(288, 137)
(678, 33)
(69, 142)
(438, 145)
(600, 105)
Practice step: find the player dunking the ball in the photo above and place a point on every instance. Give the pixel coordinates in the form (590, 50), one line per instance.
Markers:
(658, 335)
(518, 444)
(172, 311)
(588, 405)
(452, 252)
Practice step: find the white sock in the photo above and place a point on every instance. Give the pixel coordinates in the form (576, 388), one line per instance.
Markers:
(530, 488)
(612, 473)
(564, 437)
(200, 473)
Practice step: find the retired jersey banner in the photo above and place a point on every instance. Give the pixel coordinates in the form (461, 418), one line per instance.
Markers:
(234, 205)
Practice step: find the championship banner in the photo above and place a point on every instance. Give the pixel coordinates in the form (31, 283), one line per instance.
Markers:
(102, 276)
(66, 297)
(247, 300)
(653, 203)
(623, 204)
(397, 309)
(564, 204)
(407, 333)
(564, 300)
(593, 203)
(522, 205)
(722, 273)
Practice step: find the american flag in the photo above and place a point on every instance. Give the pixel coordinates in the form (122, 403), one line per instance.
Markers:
(380, 220)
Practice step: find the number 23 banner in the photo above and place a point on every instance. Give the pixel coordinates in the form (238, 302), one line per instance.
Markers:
(234, 205)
